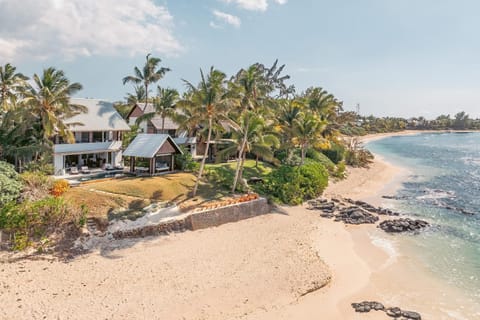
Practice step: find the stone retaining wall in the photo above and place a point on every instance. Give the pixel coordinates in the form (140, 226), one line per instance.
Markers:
(231, 213)
(201, 220)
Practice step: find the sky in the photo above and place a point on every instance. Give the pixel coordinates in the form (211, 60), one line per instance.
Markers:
(392, 57)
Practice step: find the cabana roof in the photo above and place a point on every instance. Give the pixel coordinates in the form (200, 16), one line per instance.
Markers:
(149, 145)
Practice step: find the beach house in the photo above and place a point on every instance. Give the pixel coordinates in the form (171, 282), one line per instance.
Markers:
(98, 139)
(159, 125)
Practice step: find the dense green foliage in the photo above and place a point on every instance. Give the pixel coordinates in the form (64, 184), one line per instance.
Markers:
(32, 221)
(185, 161)
(10, 183)
(295, 184)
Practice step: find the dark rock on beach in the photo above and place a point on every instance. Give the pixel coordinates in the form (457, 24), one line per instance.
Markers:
(367, 306)
(402, 225)
(394, 312)
(355, 215)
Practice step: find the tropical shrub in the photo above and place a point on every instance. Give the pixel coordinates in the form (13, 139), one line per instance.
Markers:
(43, 167)
(335, 153)
(185, 161)
(59, 187)
(32, 221)
(10, 183)
(36, 185)
(358, 157)
(295, 184)
(322, 158)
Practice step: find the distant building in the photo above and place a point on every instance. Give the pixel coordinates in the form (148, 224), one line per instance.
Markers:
(98, 138)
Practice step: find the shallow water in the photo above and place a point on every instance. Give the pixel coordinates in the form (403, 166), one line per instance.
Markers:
(443, 188)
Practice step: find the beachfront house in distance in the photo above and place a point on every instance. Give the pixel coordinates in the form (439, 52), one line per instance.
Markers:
(155, 125)
(98, 139)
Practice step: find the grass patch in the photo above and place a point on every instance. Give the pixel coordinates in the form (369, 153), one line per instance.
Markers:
(222, 174)
(249, 169)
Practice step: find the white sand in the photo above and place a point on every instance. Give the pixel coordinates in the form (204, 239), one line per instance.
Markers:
(253, 269)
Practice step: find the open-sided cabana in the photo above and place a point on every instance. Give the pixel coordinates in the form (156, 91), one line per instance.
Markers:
(156, 151)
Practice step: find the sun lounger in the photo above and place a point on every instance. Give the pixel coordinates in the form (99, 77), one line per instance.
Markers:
(73, 170)
(85, 169)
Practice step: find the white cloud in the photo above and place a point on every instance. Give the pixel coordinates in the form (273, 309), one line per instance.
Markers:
(254, 5)
(227, 18)
(71, 28)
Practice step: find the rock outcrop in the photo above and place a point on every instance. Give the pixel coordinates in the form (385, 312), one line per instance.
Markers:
(402, 225)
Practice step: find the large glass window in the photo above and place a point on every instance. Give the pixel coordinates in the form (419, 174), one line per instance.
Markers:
(97, 136)
(85, 137)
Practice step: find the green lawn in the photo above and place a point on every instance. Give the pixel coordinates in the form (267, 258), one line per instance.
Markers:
(249, 170)
(134, 193)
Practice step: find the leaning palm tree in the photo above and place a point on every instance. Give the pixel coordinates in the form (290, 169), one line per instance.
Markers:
(11, 83)
(163, 105)
(48, 102)
(208, 97)
(150, 74)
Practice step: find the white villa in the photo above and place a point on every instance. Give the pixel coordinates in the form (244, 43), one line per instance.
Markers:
(98, 138)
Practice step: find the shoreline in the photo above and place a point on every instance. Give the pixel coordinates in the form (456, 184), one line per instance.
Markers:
(290, 264)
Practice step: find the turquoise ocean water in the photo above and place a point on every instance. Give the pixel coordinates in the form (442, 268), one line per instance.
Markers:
(444, 188)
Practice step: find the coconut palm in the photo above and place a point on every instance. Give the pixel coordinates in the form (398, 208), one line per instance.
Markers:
(11, 82)
(252, 88)
(138, 96)
(48, 102)
(325, 106)
(163, 105)
(150, 74)
(208, 98)
(307, 130)
(261, 139)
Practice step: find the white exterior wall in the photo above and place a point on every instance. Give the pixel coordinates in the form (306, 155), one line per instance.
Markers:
(117, 158)
(58, 164)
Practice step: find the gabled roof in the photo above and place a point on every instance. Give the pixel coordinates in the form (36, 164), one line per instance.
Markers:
(147, 145)
(156, 120)
(94, 147)
(101, 116)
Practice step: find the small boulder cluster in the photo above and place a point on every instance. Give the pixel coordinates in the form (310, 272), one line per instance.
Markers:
(402, 225)
(394, 312)
(359, 212)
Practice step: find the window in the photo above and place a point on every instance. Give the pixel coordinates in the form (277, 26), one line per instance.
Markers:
(97, 136)
(85, 137)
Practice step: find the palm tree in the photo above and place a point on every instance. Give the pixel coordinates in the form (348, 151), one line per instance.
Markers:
(209, 99)
(163, 105)
(48, 102)
(260, 138)
(252, 88)
(138, 96)
(149, 75)
(325, 106)
(288, 111)
(307, 129)
(11, 82)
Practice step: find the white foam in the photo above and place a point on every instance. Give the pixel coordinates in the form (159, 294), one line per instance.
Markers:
(386, 245)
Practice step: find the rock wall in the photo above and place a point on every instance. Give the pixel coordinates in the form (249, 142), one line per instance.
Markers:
(232, 213)
(200, 220)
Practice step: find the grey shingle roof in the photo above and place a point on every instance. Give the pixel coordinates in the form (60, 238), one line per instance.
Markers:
(77, 148)
(101, 116)
(147, 145)
(157, 120)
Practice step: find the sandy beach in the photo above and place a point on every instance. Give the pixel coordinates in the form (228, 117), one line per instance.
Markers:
(290, 264)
